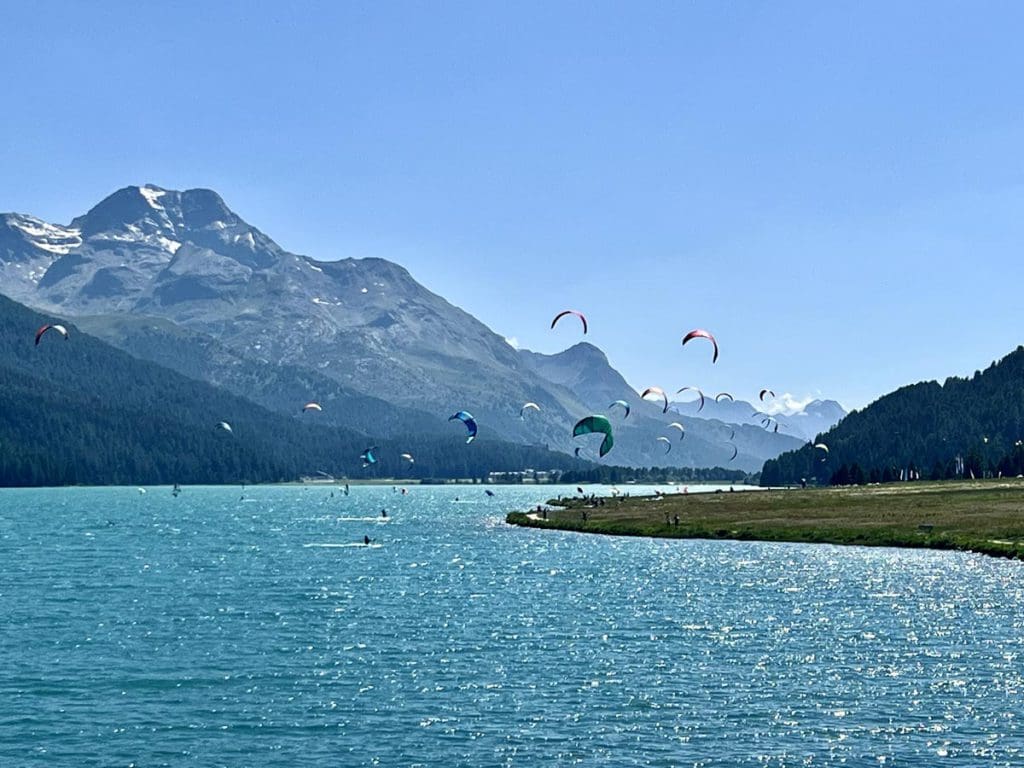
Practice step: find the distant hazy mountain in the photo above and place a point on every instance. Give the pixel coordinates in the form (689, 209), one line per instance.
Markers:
(584, 369)
(179, 278)
(816, 417)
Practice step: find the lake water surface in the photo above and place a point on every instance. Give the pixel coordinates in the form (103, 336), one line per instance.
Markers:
(216, 630)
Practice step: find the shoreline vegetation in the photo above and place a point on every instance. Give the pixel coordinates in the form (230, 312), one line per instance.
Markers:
(339, 482)
(984, 516)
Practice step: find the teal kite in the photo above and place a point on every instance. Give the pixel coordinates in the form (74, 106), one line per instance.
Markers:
(592, 424)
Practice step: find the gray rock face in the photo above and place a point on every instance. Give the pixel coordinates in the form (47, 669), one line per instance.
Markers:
(185, 259)
(28, 248)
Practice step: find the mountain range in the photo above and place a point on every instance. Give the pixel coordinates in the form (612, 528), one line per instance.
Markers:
(179, 279)
(805, 423)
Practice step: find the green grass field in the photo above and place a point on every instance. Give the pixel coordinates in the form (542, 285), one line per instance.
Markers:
(978, 516)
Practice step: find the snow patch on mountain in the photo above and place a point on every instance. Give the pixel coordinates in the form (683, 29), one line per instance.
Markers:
(43, 235)
(153, 195)
(786, 404)
(167, 244)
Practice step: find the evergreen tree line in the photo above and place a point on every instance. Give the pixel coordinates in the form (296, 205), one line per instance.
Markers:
(965, 427)
(658, 475)
(79, 411)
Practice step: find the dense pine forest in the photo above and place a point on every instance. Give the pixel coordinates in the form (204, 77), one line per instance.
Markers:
(79, 411)
(965, 427)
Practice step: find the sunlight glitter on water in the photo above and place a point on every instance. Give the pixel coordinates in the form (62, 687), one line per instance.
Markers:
(202, 630)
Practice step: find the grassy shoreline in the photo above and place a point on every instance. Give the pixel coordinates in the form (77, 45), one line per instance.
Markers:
(986, 517)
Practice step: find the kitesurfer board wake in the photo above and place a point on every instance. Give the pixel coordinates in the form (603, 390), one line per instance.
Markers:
(346, 545)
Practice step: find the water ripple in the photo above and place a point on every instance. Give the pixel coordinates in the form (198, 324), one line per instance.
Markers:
(208, 630)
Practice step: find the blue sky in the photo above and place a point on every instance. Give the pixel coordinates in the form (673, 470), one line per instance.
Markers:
(835, 190)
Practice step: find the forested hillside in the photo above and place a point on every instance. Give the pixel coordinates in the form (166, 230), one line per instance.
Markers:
(963, 427)
(80, 411)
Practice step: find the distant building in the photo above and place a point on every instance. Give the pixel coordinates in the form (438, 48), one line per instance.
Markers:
(526, 476)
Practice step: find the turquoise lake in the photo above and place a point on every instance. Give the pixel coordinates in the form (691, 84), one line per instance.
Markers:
(223, 628)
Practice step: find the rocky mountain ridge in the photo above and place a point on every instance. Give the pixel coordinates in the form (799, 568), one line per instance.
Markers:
(231, 306)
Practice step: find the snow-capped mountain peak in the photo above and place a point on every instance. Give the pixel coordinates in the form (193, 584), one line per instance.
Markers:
(48, 237)
(28, 246)
(153, 195)
(184, 260)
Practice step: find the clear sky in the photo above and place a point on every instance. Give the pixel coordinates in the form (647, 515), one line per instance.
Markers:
(835, 190)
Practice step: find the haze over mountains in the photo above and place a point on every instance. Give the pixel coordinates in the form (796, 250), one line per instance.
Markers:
(180, 279)
(814, 418)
